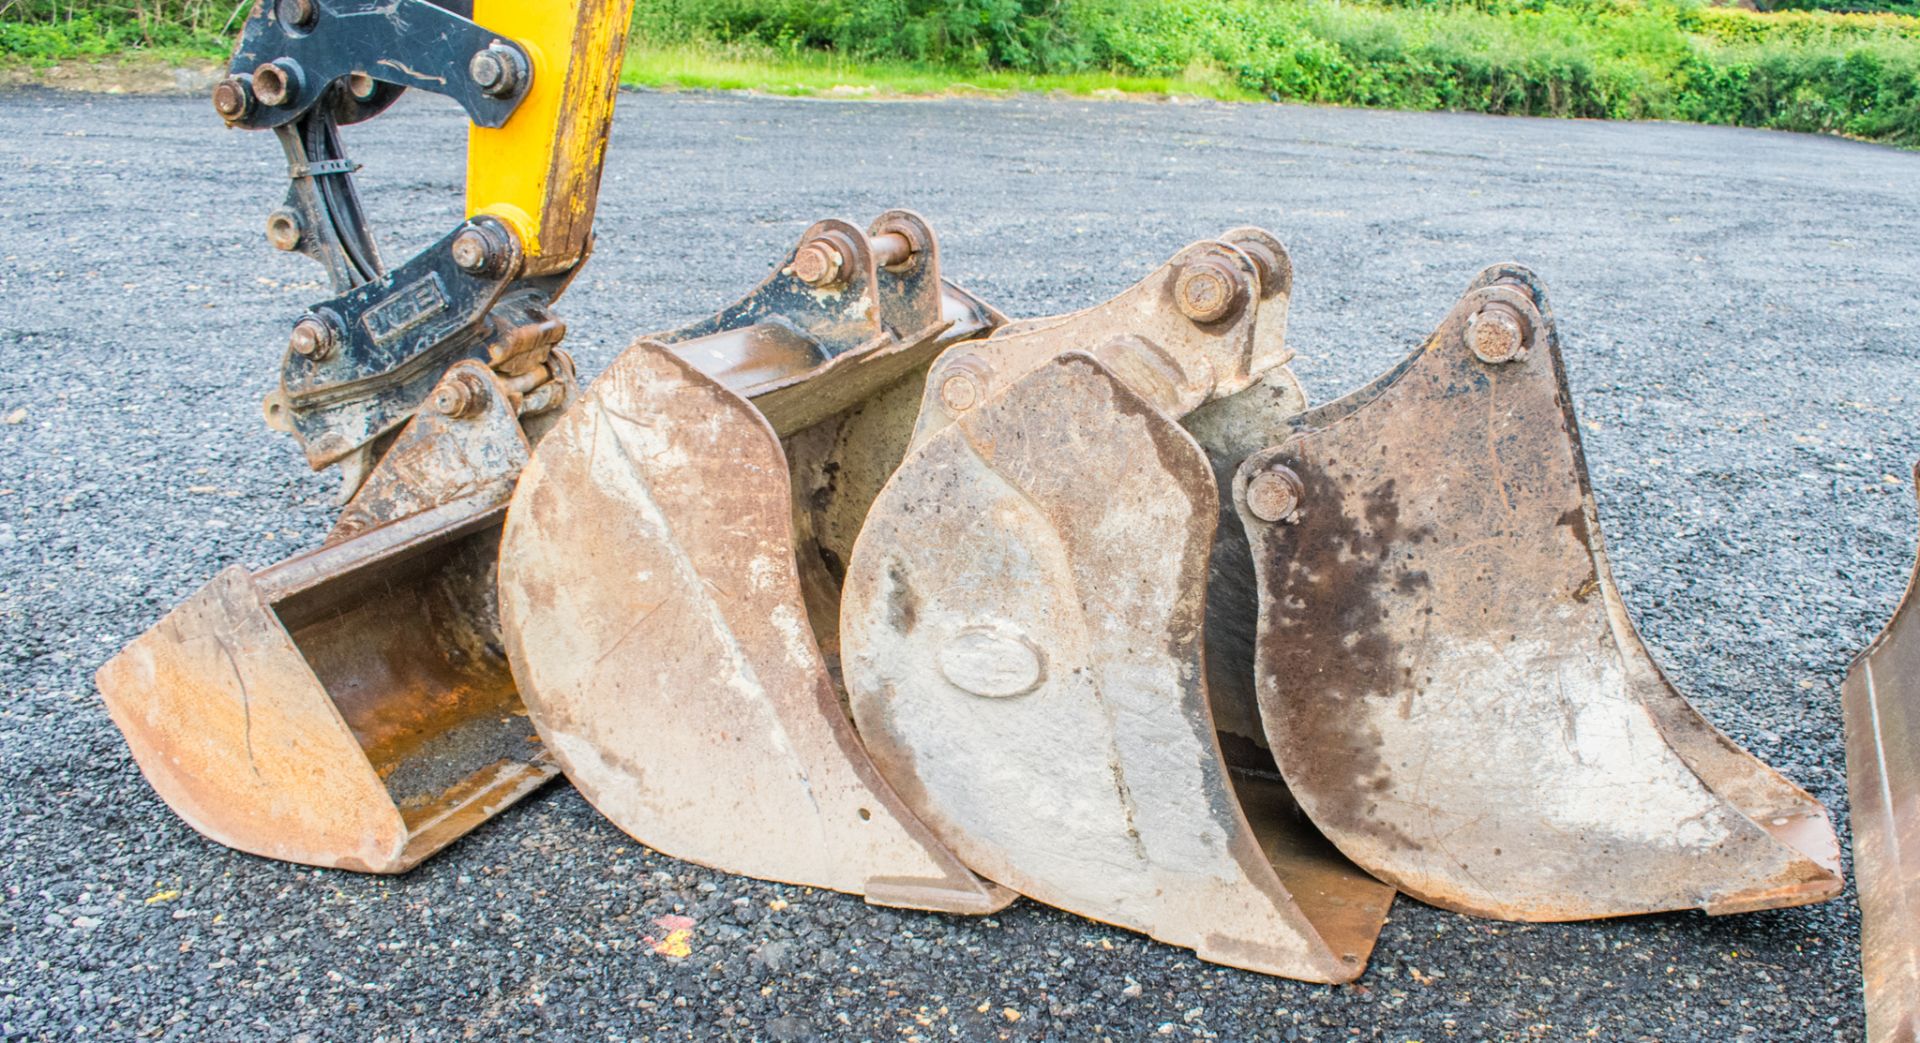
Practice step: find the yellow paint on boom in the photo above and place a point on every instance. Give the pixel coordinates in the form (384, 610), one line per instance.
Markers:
(540, 172)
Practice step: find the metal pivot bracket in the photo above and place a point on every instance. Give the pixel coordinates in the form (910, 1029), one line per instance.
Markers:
(358, 366)
(872, 302)
(292, 51)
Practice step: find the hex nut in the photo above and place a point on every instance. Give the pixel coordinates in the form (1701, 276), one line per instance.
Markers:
(459, 396)
(498, 71)
(471, 251)
(1275, 493)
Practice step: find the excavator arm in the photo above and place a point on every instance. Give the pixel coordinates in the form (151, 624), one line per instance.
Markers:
(538, 82)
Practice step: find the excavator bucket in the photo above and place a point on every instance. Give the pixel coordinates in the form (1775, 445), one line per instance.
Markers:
(352, 707)
(1448, 676)
(1023, 626)
(1882, 698)
(671, 561)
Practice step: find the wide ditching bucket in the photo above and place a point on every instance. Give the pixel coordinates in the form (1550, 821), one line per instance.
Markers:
(352, 707)
(671, 563)
(1882, 699)
(1448, 676)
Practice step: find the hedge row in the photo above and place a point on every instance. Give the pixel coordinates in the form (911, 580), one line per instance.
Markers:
(1856, 74)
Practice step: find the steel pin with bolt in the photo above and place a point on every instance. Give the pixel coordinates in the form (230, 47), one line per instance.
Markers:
(314, 338)
(1274, 494)
(459, 396)
(1207, 290)
(497, 71)
(1498, 333)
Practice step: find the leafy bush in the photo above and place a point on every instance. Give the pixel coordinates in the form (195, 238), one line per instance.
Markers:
(60, 29)
(1856, 74)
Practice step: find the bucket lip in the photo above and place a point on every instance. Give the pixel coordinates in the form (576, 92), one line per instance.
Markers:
(395, 539)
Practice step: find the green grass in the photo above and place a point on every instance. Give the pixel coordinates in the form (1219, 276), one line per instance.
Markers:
(739, 66)
(1810, 70)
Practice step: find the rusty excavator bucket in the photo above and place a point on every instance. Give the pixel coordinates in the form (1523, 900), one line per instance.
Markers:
(1448, 676)
(1411, 602)
(1882, 699)
(670, 571)
(352, 707)
(1022, 630)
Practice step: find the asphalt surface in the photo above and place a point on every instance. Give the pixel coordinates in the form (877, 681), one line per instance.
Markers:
(1743, 341)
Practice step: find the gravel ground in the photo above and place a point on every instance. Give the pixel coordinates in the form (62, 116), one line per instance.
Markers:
(1743, 342)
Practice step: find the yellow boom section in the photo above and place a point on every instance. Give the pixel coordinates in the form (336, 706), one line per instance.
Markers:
(541, 172)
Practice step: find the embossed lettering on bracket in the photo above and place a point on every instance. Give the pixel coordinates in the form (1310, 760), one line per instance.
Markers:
(406, 309)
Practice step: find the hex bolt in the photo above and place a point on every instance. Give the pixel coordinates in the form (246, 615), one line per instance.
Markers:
(277, 82)
(314, 338)
(818, 264)
(497, 71)
(1498, 333)
(296, 13)
(1274, 494)
(1207, 290)
(283, 229)
(232, 98)
(459, 396)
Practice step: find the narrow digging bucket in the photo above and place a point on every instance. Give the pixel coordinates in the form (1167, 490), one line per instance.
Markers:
(1882, 699)
(1023, 630)
(1449, 679)
(667, 563)
(351, 707)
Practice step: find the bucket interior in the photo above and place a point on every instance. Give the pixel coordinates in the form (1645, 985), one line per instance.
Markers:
(409, 649)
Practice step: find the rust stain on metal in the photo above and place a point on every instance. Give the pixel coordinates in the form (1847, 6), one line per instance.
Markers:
(1331, 635)
(351, 707)
(1443, 689)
